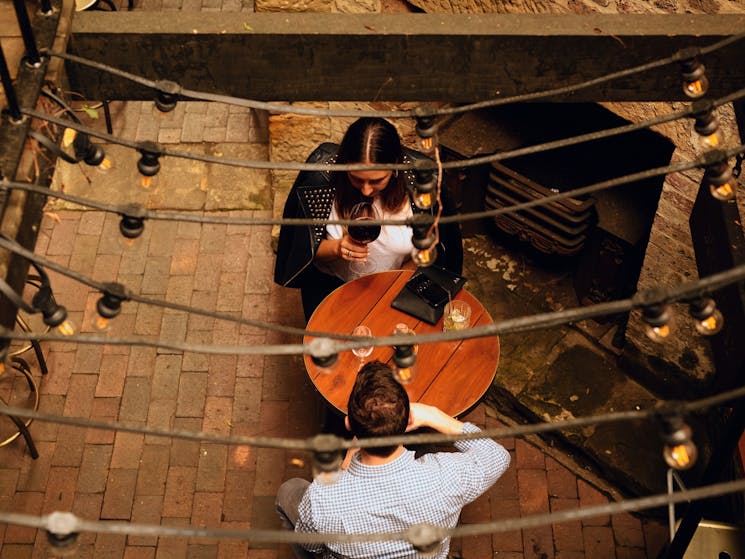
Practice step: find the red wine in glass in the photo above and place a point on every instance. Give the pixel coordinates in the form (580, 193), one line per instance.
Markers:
(363, 233)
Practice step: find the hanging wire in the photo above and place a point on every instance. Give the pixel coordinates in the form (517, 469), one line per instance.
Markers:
(409, 535)
(313, 111)
(13, 246)
(701, 161)
(301, 166)
(406, 439)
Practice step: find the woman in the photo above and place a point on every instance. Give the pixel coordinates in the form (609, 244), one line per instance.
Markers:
(317, 258)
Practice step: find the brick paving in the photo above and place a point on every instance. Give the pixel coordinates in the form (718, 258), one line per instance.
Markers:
(103, 475)
(116, 476)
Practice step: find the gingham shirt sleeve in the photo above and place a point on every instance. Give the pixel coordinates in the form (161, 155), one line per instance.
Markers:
(484, 461)
(305, 520)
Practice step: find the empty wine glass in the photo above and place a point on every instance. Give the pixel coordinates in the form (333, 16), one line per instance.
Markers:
(362, 352)
(363, 233)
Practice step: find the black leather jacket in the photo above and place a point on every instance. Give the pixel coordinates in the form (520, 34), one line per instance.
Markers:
(312, 196)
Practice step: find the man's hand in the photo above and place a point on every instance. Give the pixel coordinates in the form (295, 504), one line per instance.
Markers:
(422, 415)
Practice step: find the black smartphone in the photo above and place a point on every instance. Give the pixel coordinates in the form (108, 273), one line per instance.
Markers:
(428, 290)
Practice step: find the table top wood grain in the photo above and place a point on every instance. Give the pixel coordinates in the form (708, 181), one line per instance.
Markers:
(450, 375)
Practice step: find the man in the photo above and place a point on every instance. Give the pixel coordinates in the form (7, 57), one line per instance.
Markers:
(387, 489)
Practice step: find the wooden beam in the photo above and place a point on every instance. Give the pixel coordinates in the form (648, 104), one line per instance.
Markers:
(401, 57)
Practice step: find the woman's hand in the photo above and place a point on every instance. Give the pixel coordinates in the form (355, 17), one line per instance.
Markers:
(352, 251)
(341, 249)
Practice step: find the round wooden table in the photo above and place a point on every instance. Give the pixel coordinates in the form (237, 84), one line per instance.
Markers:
(450, 375)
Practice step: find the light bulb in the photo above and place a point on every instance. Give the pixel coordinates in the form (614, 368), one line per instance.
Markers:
(404, 375)
(708, 318)
(105, 166)
(148, 165)
(712, 325)
(327, 458)
(697, 87)
(404, 359)
(426, 539)
(146, 182)
(101, 324)
(722, 192)
(426, 130)
(657, 320)
(322, 355)
(681, 456)
(424, 257)
(658, 333)
(423, 200)
(402, 328)
(427, 144)
(62, 534)
(712, 140)
(66, 328)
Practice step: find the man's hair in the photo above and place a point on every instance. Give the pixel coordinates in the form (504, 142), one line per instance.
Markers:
(378, 406)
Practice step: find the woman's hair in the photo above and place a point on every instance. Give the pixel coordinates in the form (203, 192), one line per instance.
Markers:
(369, 140)
(378, 406)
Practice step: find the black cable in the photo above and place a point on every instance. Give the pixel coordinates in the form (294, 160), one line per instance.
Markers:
(52, 146)
(641, 299)
(15, 298)
(465, 163)
(406, 439)
(62, 104)
(458, 218)
(79, 525)
(283, 108)
(34, 258)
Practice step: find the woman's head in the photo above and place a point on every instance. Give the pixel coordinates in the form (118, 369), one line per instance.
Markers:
(369, 140)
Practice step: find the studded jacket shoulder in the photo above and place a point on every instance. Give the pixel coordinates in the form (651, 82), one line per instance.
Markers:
(312, 196)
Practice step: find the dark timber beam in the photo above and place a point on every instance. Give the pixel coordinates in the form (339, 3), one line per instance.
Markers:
(402, 57)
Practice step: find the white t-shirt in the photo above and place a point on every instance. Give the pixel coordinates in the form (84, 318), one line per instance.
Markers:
(389, 251)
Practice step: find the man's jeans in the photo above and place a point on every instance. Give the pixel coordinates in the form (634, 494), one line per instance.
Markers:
(288, 500)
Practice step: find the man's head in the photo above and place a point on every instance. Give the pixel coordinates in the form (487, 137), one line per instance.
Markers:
(378, 406)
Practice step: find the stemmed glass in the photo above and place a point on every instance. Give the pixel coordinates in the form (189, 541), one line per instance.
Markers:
(363, 233)
(362, 352)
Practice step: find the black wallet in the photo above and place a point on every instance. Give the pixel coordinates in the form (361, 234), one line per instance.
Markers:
(427, 292)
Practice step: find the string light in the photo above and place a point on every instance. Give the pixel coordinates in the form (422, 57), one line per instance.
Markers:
(693, 72)
(148, 165)
(709, 319)
(62, 533)
(718, 175)
(426, 129)
(132, 223)
(679, 451)
(323, 355)
(404, 358)
(109, 305)
(424, 186)
(54, 314)
(327, 458)
(90, 153)
(658, 321)
(167, 96)
(707, 125)
(424, 240)
(425, 538)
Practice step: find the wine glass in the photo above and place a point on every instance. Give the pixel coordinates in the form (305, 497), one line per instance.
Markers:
(362, 352)
(363, 233)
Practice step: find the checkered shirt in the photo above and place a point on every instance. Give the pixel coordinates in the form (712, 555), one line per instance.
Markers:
(391, 497)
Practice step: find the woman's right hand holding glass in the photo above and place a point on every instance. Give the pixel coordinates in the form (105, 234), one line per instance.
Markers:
(352, 251)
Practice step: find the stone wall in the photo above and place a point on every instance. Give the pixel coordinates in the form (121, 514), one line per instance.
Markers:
(669, 259)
